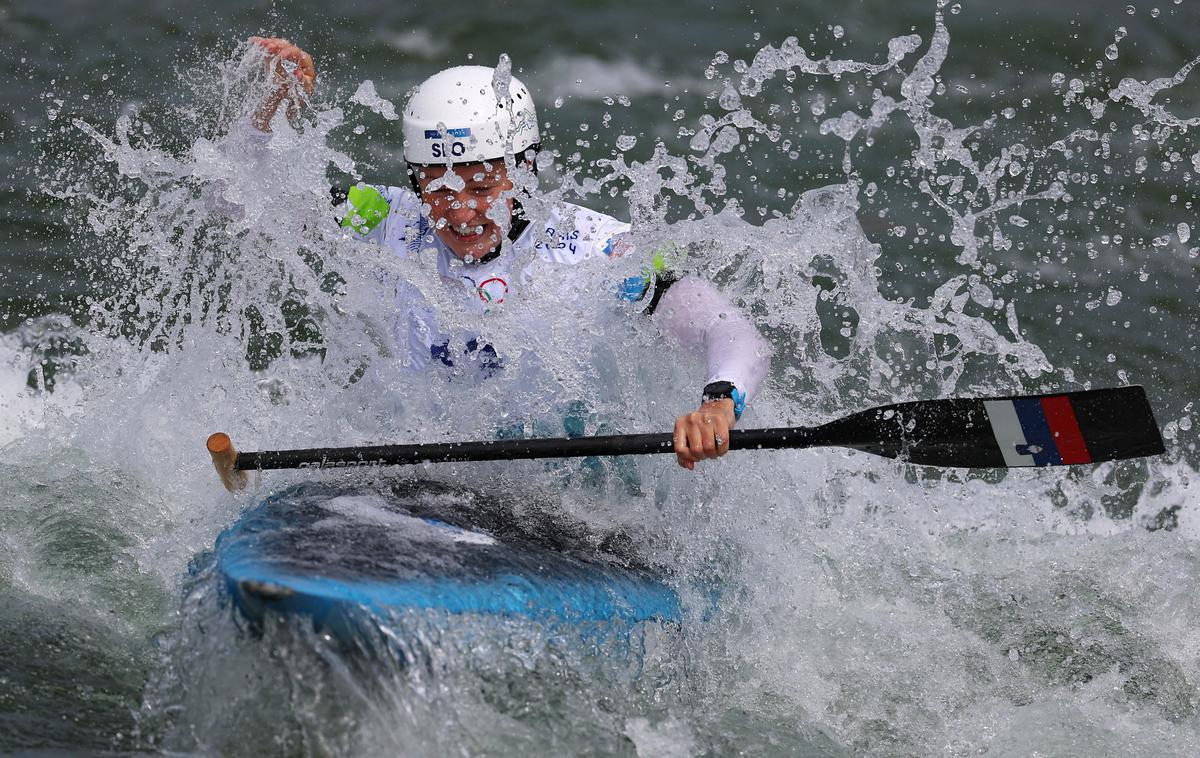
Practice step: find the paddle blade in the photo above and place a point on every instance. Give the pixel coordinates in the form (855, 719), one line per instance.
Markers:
(1004, 432)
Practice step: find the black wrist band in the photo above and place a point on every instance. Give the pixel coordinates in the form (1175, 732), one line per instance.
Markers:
(721, 390)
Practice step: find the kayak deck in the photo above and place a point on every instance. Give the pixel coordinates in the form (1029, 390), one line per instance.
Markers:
(331, 554)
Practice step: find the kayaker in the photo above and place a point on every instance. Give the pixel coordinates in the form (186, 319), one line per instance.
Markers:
(461, 200)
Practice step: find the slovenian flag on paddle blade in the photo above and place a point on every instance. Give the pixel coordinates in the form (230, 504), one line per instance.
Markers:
(1070, 428)
(1064, 428)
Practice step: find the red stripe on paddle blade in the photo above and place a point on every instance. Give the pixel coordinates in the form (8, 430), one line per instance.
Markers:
(1065, 428)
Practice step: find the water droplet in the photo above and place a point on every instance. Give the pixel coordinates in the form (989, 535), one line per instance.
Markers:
(729, 99)
(838, 32)
(1130, 10)
(626, 142)
(558, 102)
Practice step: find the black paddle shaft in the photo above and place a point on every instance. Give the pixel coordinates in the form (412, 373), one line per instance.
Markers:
(1096, 425)
(507, 450)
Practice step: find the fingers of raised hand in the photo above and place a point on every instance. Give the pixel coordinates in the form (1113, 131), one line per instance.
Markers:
(272, 45)
(289, 58)
(306, 72)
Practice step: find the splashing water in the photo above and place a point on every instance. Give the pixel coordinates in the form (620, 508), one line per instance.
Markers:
(867, 607)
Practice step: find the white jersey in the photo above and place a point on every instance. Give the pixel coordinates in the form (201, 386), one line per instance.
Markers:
(392, 217)
(693, 311)
(570, 235)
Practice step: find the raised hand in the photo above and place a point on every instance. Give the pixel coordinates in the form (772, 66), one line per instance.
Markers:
(290, 65)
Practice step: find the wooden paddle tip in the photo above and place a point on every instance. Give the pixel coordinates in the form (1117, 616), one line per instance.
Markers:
(224, 458)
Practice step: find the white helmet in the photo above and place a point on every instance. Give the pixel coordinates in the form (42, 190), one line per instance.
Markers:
(455, 116)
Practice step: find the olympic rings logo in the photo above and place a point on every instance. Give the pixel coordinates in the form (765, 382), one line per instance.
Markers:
(493, 290)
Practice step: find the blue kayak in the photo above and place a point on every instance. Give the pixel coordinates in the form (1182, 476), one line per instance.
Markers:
(336, 555)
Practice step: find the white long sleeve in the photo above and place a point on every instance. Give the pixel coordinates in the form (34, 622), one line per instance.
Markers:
(700, 317)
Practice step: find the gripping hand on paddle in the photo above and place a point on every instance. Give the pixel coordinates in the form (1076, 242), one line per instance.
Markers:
(290, 66)
(704, 433)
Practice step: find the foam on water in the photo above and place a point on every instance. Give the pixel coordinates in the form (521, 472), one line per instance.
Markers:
(372, 509)
(16, 406)
(29, 361)
(585, 77)
(416, 41)
(866, 607)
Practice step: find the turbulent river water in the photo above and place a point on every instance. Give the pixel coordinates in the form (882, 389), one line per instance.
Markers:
(912, 200)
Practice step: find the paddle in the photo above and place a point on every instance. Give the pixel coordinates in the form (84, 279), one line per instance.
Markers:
(1023, 430)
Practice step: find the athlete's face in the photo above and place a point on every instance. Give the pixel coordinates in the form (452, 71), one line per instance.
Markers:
(466, 219)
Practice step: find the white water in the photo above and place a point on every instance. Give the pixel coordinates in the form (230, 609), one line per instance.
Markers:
(868, 605)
